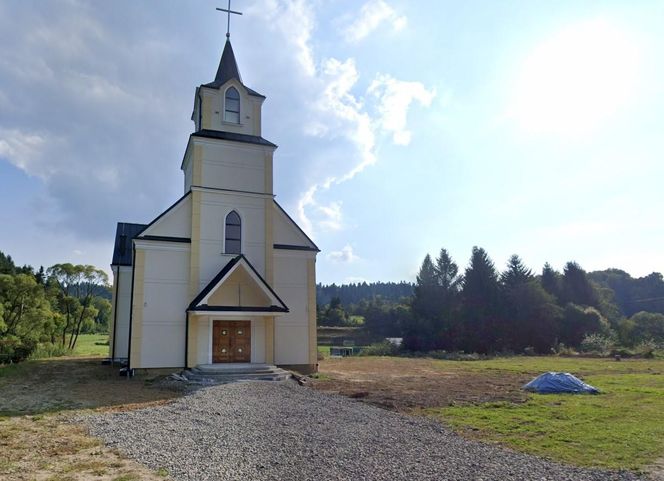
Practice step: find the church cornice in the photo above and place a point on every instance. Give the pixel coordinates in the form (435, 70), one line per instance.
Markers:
(233, 137)
(201, 188)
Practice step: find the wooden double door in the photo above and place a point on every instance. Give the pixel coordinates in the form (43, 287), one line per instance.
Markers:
(231, 341)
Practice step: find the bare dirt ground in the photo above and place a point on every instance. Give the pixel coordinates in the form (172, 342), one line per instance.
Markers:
(36, 440)
(407, 384)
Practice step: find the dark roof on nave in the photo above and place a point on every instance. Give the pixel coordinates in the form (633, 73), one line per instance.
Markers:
(122, 250)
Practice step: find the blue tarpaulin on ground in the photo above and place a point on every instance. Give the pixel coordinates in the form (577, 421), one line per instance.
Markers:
(559, 382)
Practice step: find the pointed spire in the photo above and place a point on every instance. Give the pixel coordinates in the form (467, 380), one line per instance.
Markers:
(227, 66)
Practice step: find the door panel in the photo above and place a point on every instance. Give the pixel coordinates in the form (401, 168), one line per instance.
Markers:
(231, 341)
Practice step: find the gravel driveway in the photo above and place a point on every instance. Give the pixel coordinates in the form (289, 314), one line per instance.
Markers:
(281, 431)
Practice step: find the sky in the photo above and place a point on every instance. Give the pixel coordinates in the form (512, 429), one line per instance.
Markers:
(528, 127)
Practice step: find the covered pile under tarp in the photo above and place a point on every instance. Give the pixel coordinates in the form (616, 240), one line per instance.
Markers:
(559, 382)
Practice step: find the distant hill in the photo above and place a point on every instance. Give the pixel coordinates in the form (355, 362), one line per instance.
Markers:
(353, 293)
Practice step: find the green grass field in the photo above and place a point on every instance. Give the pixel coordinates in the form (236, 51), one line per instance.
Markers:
(621, 428)
(90, 345)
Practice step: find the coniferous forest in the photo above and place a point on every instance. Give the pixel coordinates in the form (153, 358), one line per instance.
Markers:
(485, 309)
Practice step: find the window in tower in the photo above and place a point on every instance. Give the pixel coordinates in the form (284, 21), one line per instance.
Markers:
(232, 106)
(233, 234)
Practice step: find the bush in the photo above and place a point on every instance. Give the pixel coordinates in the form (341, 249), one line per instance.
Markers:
(562, 350)
(13, 349)
(646, 349)
(383, 348)
(598, 344)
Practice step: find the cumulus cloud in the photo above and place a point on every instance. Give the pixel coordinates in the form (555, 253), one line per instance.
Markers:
(371, 16)
(345, 255)
(336, 109)
(394, 99)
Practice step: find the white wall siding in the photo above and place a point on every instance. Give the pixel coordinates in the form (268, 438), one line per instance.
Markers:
(232, 165)
(291, 330)
(166, 296)
(123, 311)
(175, 223)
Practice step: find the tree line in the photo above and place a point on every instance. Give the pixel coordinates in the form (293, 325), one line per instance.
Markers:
(482, 309)
(50, 308)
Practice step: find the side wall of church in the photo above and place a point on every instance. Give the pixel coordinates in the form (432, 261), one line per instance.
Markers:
(295, 332)
(119, 335)
(161, 295)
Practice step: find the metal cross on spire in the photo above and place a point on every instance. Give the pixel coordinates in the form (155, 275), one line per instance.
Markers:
(229, 11)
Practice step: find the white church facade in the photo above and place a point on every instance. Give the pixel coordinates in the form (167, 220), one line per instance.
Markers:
(224, 275)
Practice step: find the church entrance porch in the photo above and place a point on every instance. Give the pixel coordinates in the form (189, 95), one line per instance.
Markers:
(231, 341)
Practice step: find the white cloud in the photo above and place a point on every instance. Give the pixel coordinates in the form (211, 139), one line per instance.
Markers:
(371, 16)
(345, 255)
(26, 150)
(339, 112)
(296, 22)
(394, 98)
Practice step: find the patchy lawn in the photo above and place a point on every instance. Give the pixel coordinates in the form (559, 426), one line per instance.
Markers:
(36, 400)
(92, 345)
(621, 428)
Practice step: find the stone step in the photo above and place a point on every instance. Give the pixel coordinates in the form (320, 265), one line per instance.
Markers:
(224, 373)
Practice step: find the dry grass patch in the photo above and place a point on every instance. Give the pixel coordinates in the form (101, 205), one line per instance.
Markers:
(44, 448)
(36, 441)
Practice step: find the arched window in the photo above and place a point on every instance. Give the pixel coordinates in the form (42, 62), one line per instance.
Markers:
(233, 234)
(232, 106)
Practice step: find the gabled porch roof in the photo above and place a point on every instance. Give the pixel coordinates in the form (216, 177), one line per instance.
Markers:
(205, 303)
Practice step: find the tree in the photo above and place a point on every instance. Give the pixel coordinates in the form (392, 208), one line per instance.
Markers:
(580, 321)
(481, 303)
(420, 334)
(576, 287)
(25, 314)
(449, 285)
(642, 326)
(425, 302)
(516, 273)
(78, 285)
(551, 280)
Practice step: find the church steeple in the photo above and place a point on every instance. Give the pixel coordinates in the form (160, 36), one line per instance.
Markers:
(227, 67)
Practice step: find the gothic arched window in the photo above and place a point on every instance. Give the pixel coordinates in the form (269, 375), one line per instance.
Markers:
(233, 234)
(232, 106)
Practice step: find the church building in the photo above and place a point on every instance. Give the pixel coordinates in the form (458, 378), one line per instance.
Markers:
(224, 275)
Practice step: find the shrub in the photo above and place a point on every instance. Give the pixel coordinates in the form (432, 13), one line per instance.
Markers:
(597, 343)
(383, 348)
(13, 349)
(646, 349)
(561, 349)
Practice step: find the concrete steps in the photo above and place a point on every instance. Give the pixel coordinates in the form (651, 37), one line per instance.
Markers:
(225, 373)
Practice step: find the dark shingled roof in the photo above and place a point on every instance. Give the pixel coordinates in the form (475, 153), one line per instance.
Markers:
(122, 252)
(228, 70)
(223, 135)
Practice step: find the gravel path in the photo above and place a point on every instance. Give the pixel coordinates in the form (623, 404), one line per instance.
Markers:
(275, 431)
